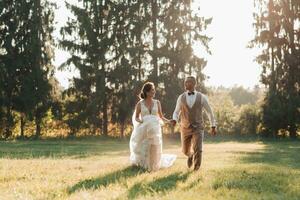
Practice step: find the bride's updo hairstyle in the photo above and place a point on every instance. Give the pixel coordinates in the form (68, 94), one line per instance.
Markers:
(146, 88)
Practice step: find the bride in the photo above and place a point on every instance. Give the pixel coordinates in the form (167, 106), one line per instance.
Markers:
(146, 139)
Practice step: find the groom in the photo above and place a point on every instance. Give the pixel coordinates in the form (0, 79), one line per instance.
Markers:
(189, 107)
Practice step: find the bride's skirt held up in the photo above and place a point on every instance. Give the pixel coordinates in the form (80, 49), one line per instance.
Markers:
(146, 145)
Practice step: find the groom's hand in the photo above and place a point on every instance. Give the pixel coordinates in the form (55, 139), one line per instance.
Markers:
(213, 131)
(173, 122)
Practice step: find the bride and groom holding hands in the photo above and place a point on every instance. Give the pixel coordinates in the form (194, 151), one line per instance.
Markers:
(146, 138)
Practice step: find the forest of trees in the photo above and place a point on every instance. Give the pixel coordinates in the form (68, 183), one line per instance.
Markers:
(118, 45)
(277, 25)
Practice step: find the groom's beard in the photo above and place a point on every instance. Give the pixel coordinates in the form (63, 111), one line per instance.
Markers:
(190, 88)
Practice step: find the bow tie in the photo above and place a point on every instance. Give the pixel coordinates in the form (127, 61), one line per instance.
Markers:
(191, 93)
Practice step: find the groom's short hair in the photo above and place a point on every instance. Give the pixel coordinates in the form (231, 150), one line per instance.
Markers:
(192, 78)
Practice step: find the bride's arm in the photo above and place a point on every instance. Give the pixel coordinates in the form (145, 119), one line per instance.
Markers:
(138, 112)
(160, 112)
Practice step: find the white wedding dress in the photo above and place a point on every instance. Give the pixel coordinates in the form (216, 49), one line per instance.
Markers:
(146, 141)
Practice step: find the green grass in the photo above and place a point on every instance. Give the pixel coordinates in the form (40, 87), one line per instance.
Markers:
(98, 168)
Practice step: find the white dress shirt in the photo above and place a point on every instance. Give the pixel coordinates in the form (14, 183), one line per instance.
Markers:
(190, 100)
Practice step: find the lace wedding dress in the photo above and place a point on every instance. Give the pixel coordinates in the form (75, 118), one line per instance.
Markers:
(146, 141)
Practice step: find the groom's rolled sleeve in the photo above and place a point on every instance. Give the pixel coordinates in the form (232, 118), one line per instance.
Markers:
(176, 112)
(209, 111)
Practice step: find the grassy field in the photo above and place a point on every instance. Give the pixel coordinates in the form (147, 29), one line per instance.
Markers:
(98, 168)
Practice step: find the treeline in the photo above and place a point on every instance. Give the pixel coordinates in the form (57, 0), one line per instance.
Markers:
(116, 46)
(277, 25)
(237, 109)
(26, 70)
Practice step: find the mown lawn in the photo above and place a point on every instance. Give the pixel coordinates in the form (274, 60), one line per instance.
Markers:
(98, 168)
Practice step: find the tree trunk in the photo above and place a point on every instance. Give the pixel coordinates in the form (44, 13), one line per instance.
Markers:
(140, 68)
(154, 32)
(22, 125)
(37, 126)
(122, 129)
(37, 56)
(105, 117)
(293, 131)
(8, 122)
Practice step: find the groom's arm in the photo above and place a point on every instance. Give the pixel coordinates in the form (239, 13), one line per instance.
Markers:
(176, 112)
(209, 112)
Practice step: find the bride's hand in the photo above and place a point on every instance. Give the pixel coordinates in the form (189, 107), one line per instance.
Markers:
(169, 121)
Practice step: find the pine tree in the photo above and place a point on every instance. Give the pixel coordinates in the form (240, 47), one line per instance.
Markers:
(14, 17)
(278, 34)
(125, 75)
(118, 45)
(90, 48)
(26, 44)
(183, 27)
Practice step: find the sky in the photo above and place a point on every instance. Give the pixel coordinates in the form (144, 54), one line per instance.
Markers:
(231, 62)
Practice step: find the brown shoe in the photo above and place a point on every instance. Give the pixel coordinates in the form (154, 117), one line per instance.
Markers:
(190, 161)
(196, 168)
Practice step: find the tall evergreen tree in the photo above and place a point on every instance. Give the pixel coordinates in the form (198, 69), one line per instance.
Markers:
(183, 28)
(90, 49)
(278, 34)
(14, 17)
(127, 47)
(118, 45)
(26, 42)
(41, 51)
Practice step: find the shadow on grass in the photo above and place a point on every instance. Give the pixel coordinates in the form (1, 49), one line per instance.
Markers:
(276, 175)
(264, 180)
(160, 185)
(260, 183)
(194, 183)
(107, 179)
(77, 148)
(244, 138)
(175, 138)
(284, 154)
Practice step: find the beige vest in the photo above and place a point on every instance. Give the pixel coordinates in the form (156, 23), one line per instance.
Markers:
(191, 118)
